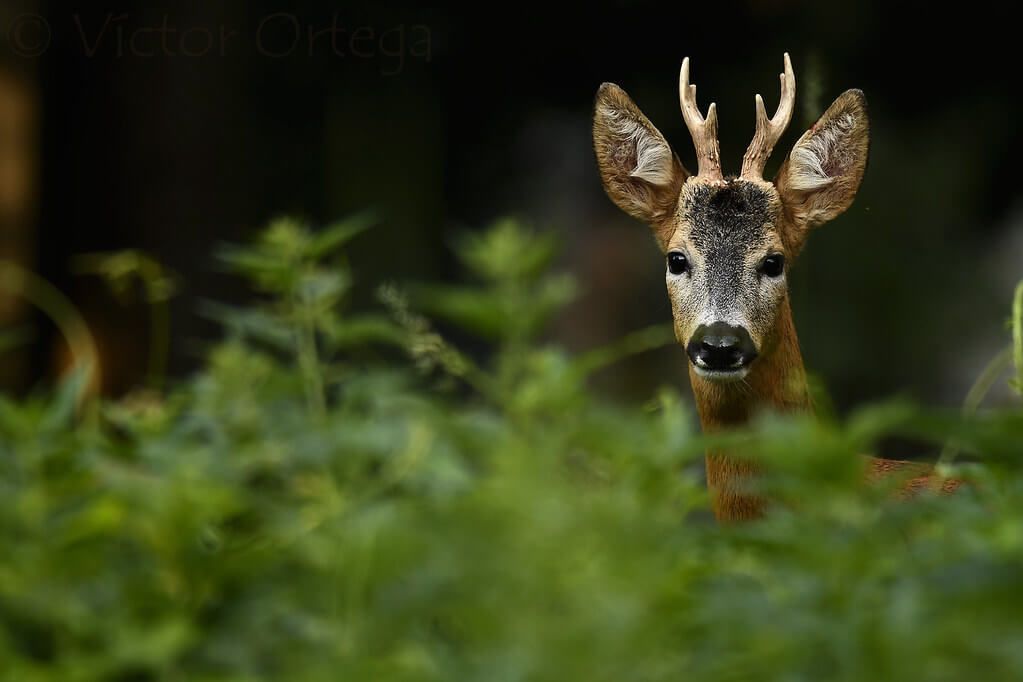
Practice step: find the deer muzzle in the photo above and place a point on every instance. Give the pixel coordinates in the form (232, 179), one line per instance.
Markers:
(721, 350)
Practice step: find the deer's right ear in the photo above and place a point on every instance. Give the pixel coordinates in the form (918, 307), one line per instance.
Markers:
(640, 172)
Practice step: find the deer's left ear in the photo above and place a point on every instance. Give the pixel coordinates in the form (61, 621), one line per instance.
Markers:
(820, 178)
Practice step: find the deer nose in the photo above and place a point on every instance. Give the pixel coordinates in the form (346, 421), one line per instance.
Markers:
(721, 347)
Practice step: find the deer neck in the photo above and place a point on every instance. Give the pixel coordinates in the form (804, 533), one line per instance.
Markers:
(776, 382)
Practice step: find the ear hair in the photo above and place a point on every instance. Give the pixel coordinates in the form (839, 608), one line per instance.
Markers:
(807, 171)
(822, 174)
(638, 168)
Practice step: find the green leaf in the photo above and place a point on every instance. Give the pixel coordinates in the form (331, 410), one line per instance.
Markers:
(252, 323)
(326, 242)
(471, 309)
(506, 251)
(362, 330)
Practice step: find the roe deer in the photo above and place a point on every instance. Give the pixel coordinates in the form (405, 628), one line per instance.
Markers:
(729, 242)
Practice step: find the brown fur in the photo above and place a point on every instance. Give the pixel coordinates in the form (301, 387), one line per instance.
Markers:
(817, 182)
(916, 476)
(777, 383)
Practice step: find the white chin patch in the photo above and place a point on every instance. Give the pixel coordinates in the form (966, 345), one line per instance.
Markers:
(723, 376)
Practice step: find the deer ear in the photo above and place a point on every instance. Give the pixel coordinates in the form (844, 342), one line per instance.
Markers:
(820, 178)
(640, 172)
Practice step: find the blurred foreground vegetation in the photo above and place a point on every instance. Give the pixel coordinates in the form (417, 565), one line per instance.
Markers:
(315, 506)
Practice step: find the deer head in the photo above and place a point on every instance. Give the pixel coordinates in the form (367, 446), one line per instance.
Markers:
(728, 241)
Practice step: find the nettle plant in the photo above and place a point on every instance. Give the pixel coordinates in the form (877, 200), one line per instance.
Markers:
(342, 494)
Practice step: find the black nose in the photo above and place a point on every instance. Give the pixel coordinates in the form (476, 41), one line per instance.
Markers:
(721, 346)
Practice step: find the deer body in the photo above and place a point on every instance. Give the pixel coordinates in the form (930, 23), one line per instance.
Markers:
(728, 243)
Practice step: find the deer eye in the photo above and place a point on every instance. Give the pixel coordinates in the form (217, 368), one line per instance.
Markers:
(773, 265)
(677, 263)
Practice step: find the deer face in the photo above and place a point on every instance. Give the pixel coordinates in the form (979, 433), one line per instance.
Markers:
(728, 242)
(725, 273)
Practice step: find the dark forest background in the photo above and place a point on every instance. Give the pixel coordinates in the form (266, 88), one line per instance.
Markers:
(443, 121)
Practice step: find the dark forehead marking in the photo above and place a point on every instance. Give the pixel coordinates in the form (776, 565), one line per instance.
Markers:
(733, 214)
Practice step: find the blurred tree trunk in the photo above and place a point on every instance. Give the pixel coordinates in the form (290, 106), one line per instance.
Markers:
(19, 158)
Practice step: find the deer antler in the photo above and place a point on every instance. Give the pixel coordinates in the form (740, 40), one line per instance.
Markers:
(769, 130)
(703, 131)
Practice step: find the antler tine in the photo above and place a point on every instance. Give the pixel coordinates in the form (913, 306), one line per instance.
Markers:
(704, 131)
(770, 130)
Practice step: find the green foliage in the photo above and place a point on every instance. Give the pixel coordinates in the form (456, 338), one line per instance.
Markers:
(517, 295)
(301, 511)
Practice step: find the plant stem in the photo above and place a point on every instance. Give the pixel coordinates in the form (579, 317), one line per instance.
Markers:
(308, 356)
(1012, 355)
(975, 396)
(58, 308)
(1017, 335)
